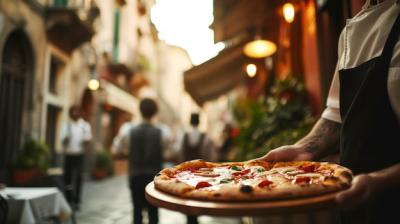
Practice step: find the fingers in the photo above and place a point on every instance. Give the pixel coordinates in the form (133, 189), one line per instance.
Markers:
(284, 153)
(355, 195)
(269, 157)
(304, 156)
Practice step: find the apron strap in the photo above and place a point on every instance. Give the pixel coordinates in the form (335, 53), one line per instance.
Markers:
(391, 41)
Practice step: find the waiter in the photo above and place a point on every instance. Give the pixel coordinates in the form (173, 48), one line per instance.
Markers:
(362, 118)
(75, 136)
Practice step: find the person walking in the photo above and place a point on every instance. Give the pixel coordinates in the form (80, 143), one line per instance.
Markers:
(144, 141)
(76, 135)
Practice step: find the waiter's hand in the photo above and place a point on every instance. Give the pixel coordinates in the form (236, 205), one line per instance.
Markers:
(288, 153)
(363, 187)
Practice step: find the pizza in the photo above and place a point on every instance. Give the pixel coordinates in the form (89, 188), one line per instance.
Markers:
(252, 180)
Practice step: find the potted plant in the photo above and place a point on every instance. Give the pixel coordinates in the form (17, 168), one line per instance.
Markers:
(32, 161)
(103, 165)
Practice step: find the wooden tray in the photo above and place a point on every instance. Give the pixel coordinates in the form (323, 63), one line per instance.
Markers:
(251, 208)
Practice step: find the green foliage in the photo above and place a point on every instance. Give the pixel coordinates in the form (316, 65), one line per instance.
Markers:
(266, 123)
(284, 137)
(34, 154)
(103, 161)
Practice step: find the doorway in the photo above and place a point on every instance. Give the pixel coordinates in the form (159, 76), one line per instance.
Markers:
(15, 82)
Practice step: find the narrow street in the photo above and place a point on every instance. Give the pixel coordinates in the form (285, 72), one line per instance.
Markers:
(126, 87)
(108, 202)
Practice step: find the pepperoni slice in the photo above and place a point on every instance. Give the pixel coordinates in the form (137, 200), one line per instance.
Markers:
(265, 183)
(300, 180)
(308, 168)
(202, 184)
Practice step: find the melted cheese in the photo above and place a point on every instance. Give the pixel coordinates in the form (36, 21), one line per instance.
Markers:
(278, 175)
(284, 177)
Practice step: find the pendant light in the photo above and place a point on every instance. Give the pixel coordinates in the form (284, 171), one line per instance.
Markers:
(288, 12)
(259, 47)
(251, 70)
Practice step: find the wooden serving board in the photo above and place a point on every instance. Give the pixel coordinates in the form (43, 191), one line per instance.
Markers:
(251, 208)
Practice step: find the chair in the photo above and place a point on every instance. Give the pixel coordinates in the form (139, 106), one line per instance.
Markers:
(3, 209)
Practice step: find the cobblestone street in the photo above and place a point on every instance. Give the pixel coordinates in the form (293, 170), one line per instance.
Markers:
(108, 202)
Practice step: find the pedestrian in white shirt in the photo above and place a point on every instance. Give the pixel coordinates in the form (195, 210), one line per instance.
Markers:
(362, 118)
(75, 136)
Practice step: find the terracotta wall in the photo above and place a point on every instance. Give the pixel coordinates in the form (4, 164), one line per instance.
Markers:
(310, 54)
(356, 6)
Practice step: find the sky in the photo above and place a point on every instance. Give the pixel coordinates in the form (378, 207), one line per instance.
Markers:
(185, 23)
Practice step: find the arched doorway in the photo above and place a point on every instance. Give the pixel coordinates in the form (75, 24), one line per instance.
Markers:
(15, 81)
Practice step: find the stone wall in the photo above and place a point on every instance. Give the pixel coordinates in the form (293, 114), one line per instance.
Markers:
(16, 15)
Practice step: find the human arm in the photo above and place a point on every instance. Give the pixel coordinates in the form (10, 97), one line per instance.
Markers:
(321, 141)
(86, 138)
(64, 135)
(120, 145)
(366, 186)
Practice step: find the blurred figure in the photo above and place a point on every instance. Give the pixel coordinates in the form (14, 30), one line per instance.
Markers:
(227, 143)
(120, 144)
(75, 136)
(145, 144)
(195, 145)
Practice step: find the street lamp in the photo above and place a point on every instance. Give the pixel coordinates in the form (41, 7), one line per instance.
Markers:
(93, 84)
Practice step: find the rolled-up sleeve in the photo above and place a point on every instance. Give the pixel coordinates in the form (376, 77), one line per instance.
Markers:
(332, 110)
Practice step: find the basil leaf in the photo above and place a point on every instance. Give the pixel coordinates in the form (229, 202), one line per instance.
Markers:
(225, 181)
(260, 170)
(236, 168)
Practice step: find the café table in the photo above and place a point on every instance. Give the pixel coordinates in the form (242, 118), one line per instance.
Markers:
(33, 205)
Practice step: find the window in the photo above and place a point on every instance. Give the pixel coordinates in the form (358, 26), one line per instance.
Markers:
(52, 123)
(56, 73)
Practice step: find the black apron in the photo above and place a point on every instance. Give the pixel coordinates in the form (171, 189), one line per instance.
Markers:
(370, 134)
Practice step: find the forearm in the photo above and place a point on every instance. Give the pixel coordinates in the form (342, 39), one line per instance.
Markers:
(388, 178)
(323, 139)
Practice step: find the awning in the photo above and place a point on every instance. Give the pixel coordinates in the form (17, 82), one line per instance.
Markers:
(117, 97)
(216, 76)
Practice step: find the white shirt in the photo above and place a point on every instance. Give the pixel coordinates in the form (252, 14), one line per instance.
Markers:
(78, 132)
(362, 39)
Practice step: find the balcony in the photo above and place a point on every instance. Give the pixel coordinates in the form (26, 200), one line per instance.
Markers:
(69, 23)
